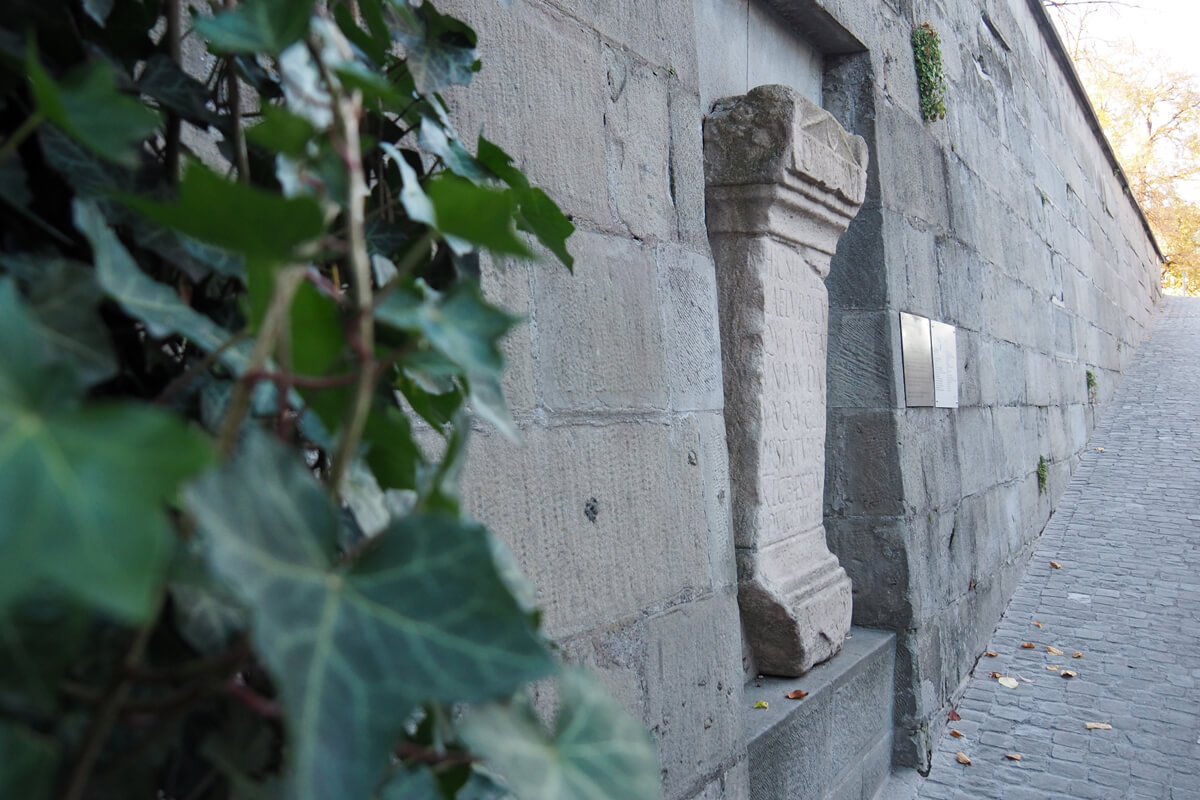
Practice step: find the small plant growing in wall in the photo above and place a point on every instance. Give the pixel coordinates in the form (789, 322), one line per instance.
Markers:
(1091, 386)
(1043, 473)
(931, 80)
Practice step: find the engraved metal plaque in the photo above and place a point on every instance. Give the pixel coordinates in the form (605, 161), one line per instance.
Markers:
(917, 349)
(945, 365)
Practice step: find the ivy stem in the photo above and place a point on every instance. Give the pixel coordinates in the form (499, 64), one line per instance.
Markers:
(346, 110)
(287, 282)
(106, 715)
(234, 92)
(175, 53)
(21, 134)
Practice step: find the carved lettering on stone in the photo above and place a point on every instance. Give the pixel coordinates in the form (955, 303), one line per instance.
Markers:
(784, 179)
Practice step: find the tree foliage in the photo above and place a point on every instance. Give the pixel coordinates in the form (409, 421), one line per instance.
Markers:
(232, 287)
(1150, 112)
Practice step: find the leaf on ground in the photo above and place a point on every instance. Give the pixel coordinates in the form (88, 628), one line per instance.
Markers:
(1028, 645)
(1098, 726)
(762, 704)
(1013, 756)
(1007, 682)
(957, 734)
(421, 616)
(991, 654)
(1054, 651)
(87, 106)
(1068, 673)
(1053, 667)
(1099, 449)
(1035, 622)
(996, 675)
(962, 758)
(1055, 565)
(596, 751)
(1077, 654)
(796, 694)
(953, 716)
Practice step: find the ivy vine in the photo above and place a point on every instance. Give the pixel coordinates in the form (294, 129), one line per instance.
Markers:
(931, 80)
(229, 296)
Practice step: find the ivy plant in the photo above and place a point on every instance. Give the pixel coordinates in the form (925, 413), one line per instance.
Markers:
(235, 287)
(931, 80)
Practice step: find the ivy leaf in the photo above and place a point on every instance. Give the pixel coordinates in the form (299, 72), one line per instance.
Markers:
(88, 107)
(421, 615)
(83, 489)
(40, 638)
(464, 329)
(177, 91)
(257, 224)
(537, 213)
(435, 139)
(477, 214)
(141, 296)
(266, 26)
(98, 10)
(410, 784)
(596, 750)
(28, 768)
(64, 296)
(394, 456)
(440, 49)
(281, 131)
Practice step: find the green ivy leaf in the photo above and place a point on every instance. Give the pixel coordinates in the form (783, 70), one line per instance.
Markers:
(440, 49)
(175, 90)
(435, 138)
(596, 751)
(421, 615)
(88, 107)
(476, 214)
(98, 10)
(64, 296)
(141, 296)
(257, 224)
(83, 488)
(466, 330)
(28, 767)
(255, 26)
(393, 455)
(537, 213)
(40, 637)
(281, 131)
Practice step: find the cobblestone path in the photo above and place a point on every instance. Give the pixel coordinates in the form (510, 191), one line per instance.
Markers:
(1127, 597)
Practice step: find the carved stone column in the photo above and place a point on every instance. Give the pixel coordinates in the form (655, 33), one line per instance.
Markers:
(783, 179)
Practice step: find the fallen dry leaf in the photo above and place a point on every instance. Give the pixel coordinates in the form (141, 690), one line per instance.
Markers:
(957, 734)
(1053, 667)
(1028, 645)
(1077, 654)
(762, 704)
(796, 694)
(1008, 683)
(1099, 449)
(953, 716)
(1056, 565)
(962, 759)
(1067, 673)
(1013, 756)
(1035, 622)
(990, 654)
(996, 675)
(1054, 651)
(1098, 726)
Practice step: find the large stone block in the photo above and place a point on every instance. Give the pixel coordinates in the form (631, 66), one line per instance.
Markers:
(606, 520)
(687, 297)
(540, 96)
(694, 692)
(659, 32)
(860, 372)
(598, 332)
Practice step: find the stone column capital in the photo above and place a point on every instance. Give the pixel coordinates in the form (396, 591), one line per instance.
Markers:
(777, 165)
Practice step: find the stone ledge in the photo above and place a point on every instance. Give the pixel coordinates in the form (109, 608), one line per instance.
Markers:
(836, 743)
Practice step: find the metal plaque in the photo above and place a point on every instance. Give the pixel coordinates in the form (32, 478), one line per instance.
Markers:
(917, 349)
(945, 365)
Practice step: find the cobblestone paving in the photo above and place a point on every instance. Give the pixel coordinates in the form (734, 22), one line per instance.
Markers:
(1127, 596)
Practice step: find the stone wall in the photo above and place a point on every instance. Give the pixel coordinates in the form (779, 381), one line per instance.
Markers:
(1005, 220)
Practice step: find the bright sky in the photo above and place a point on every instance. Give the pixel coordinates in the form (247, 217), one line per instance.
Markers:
(1167, 26)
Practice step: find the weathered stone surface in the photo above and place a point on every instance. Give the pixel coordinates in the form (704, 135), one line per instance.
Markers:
(687, 298)
(784, 180)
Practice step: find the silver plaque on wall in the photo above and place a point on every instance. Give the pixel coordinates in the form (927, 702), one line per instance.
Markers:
(917, 351)
(945, 364)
